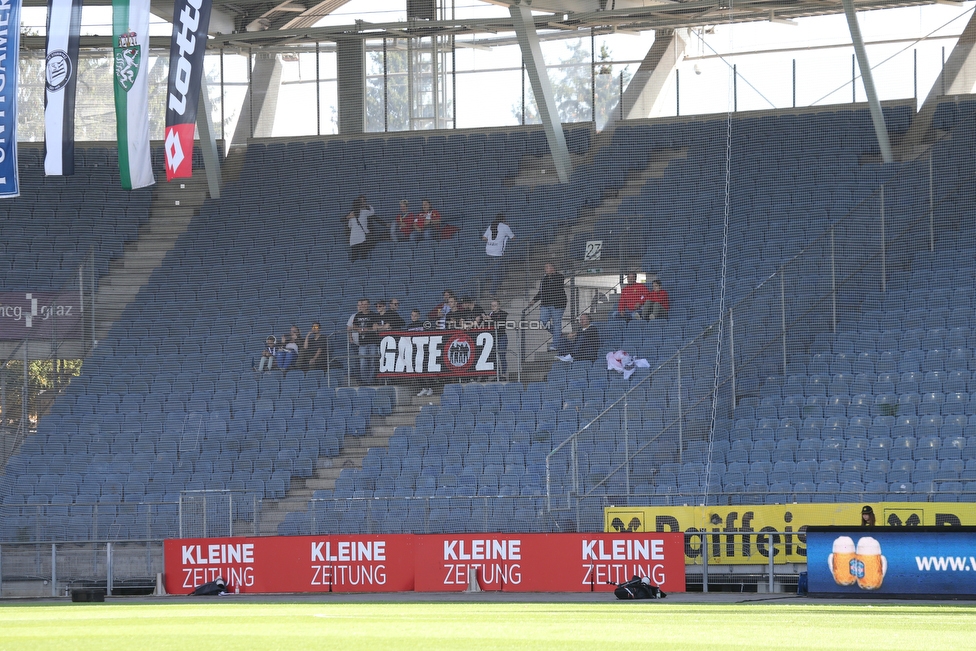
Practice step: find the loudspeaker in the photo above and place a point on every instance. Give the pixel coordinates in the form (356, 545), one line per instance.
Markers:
(88, 594)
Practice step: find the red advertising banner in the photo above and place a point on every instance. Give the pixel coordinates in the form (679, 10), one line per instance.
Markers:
(432, 563)
(293, 563)
(549, 562)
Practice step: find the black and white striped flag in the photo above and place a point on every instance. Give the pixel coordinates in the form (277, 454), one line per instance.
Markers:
(63, 33)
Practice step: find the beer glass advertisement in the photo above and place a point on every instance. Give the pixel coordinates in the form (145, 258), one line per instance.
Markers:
(892, 561)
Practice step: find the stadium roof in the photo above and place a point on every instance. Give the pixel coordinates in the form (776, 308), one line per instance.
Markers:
(260, 23)
(565, 18)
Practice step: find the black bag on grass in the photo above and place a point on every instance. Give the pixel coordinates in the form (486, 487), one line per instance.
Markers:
(214, 588)
(639, 588)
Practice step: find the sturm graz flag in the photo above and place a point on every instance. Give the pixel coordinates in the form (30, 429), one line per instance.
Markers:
(60, 75)
(130, 28)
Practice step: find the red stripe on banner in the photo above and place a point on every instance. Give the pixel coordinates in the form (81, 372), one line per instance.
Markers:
(179, 151)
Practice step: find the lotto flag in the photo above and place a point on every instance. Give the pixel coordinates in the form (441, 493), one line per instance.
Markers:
(191, 19)
(130, 33)
(63, 33)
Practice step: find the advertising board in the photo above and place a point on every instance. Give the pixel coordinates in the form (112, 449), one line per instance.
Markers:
(292, 563)
(892, 561)
(425, 563)
(739, 525)
(567, 562)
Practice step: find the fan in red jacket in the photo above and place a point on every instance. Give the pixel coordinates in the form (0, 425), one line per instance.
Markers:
(402, 226)
(657, 305)
(632, 298)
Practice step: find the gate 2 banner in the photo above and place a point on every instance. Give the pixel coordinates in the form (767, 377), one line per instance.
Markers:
(61, 76)
(9, 60)
(888, 561)
(425, 563)
(191, 20)
(437, 353)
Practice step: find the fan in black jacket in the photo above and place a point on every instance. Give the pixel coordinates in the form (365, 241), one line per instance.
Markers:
(552, 299)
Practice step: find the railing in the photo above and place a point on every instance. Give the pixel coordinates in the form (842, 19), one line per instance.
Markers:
(742, 576)
(799, 307)
(132, 567)
(84, 522)
(53, 569)
(219, 513)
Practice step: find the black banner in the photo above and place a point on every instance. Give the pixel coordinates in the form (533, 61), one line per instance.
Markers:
(437, 353)
(191, 20)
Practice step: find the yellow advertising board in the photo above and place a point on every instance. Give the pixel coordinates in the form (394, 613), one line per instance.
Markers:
(741, 541)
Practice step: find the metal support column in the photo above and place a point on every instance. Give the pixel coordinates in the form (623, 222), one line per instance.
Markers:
(535, 65)
(732, 353)
(884, 245)
(318, 87)
(626, 446)
(772, 555)
(92, 288)
(931, 207)
(208, 140)
(81, 301)
(833, 280)
(592, 80)
(677, 92)
(25, 393)
(681, 418)
(735, 88)
(782, 305)
(54, 570)
(704, 555)
(109, 569)
(867, 79)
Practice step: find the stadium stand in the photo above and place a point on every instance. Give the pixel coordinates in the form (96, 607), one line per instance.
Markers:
(168, 405)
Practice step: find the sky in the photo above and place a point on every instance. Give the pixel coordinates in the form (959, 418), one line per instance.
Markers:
(489, 85)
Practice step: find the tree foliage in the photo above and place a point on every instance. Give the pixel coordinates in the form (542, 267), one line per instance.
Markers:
(572, 83)
(397, 86)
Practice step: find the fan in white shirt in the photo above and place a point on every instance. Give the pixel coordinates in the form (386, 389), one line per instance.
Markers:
(497, 236)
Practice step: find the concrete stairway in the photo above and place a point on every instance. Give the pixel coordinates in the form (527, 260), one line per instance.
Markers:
(174, 205)
(522, 280)
(351, 455)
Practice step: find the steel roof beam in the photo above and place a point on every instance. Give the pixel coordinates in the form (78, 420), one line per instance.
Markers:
(535, 67)
(958, 76)
(867, 79)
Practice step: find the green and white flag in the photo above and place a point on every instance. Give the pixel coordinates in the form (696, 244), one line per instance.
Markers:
(130, 29)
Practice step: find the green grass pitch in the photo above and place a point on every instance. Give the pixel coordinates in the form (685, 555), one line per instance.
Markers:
(379, 626)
